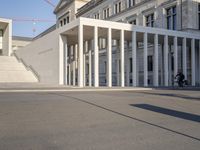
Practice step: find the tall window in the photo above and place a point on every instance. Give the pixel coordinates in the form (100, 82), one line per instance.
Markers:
(171, 18)
(61, 23)
(131, 65)
(133, 22)
(106, 13)
(97, 16)
(199, 15)
(131, 3)
(150, 20)
(150, 63)
(67, 19)
(118, 7)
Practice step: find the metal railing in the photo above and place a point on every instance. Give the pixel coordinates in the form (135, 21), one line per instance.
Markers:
(28, 67)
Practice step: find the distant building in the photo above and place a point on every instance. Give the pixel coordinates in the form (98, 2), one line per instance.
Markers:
(19, 42)
(5, 37)
(119, 43)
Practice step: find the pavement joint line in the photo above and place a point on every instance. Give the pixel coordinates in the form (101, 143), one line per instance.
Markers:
(129, 117)
(71, 90)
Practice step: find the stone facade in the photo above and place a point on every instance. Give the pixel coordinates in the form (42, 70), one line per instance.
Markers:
(153, 13)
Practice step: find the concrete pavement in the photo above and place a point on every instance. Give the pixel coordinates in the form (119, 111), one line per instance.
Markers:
(142, 120)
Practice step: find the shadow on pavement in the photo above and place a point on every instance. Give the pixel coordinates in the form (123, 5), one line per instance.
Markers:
(174, 95)
(126, 116)
(169, 112)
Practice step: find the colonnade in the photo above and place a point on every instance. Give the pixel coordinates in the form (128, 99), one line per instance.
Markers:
(78, 53)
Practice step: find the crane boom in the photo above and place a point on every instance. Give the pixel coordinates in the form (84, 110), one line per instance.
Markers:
(50, 3)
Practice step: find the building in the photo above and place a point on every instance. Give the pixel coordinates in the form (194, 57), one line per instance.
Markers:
(5, 37)
(19, 42)
(119, 43)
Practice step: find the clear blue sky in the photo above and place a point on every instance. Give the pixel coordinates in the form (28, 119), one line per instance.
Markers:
(28, 9)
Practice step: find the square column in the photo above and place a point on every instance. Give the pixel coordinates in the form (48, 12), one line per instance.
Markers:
(166, 61)
(199, 62)
(145, 59)
(66, 64)
(80, 60)
(184, 57)
(84, 63)
(74, 64)
(175, 56)
(193, 67)
(109, 58)
(69, 73)
(155, 68)
(96, 58)
(90, 65)
(127, 64)
(134, 59)
(74, 72)
(122, 57)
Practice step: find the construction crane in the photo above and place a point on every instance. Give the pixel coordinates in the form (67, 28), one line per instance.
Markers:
(50, 3)
(33, 21)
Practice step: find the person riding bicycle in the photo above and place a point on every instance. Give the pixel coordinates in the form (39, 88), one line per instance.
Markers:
(180, 79)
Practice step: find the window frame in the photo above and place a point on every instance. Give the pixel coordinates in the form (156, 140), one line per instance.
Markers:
(199, 15)
(150, 20)
(106, 13)
(171, 18)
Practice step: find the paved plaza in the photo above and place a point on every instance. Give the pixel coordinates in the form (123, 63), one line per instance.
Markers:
(114, 120)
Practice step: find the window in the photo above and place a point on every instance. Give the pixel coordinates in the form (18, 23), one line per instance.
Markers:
(171, 18)
(133, 22)
(67, 19)
(118, 7)
(61, 23)
(150, 20)
(106, 13)
(96, 16)
(131, 3)
(199, 15)
(105, 67)
(130, 62)
(64, 21)
(150, 63)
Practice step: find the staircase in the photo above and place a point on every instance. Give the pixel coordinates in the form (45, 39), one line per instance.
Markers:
(12, 71)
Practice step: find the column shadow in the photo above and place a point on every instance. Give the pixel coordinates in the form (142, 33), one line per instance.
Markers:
(169, 112)
(174, 95)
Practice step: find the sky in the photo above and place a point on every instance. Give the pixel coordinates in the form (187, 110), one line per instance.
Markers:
(28, 9)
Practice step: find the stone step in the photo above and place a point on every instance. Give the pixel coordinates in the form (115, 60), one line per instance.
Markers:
(11, 66)
(11, 71)
(17, 76)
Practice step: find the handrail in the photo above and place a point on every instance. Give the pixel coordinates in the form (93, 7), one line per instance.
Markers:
(28, 67)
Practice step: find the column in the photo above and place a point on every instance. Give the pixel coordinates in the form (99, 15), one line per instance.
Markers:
(96, 58)
(170, 66)
(145, 60)
(127, 64)
(117, 63)
(84, 63)
(166, 58)
(66, 64)
(193, 71)
(74, 65)
(175, 56)
(134, 59)
(155, 68)
(109, 58)
(199, 62)
(90, 65)
(122, 57)
(69, 73)
(184, 57)
(162, 65)
(80, 60)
